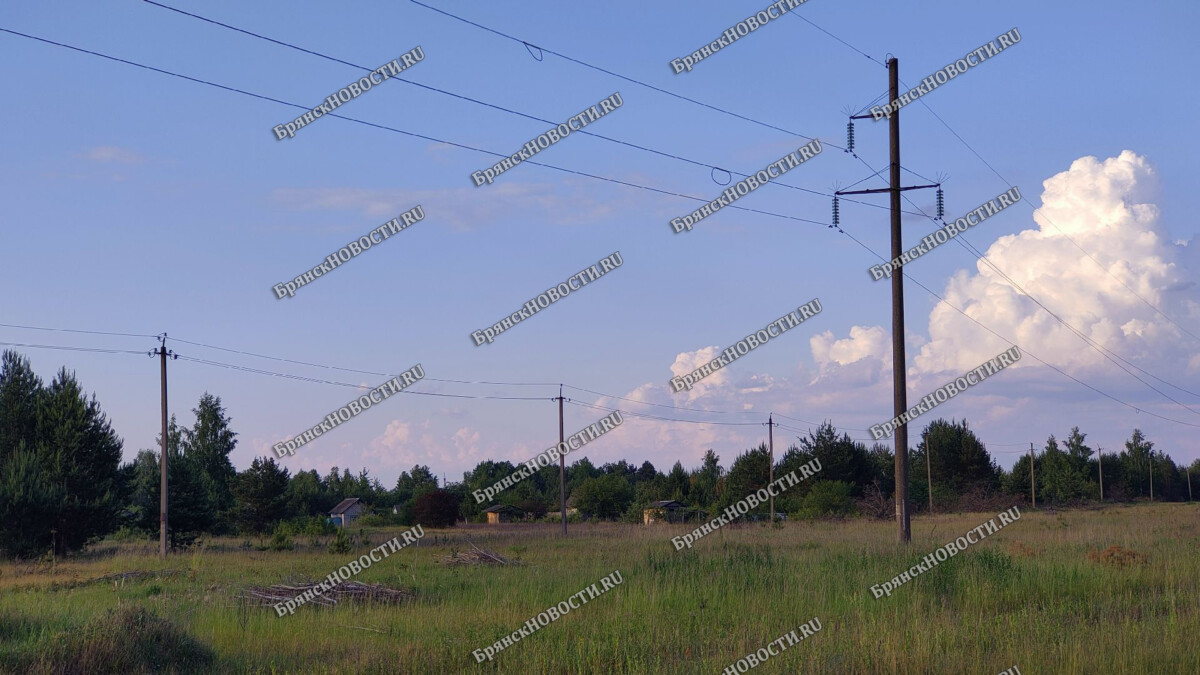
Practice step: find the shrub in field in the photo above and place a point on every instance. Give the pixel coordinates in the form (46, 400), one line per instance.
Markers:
(556, 517)
(993, 563)
(827, 499)
(311, 526)
(874, 503)
(125, 640)
(280, 541)
(535, 507)
(381, 520)
(340, 543)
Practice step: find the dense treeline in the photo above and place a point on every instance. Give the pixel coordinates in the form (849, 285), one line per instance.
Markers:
(62, 483)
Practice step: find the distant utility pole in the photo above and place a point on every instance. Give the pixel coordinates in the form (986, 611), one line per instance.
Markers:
(162, 353)
(771, 443)
(1189, 475)
(1100, 463)
(899, 385)
(562, 464)
(1032, 485)
(929, 476)
(1150, 457)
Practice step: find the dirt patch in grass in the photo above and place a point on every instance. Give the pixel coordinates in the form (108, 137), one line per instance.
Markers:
(1019, 549)
(1115, 556)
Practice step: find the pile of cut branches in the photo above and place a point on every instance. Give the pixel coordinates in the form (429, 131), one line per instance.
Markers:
(477, 556)
(353, 591)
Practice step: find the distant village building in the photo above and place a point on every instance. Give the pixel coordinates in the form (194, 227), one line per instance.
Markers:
(347, 511)
(667, 510)
(571, 508)
(503, 513)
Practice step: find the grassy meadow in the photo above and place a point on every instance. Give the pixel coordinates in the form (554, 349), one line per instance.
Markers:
(1047, 594)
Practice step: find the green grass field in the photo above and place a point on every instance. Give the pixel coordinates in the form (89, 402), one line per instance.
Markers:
(1029, 596)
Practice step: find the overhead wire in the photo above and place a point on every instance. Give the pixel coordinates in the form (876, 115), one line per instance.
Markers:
(1033, 208)
(72, 349)
(660, 418)
(289, 376)
(72, 330)
(962, 241)
(627, 78)
(693, 162)
(411, 133)
(90, 52)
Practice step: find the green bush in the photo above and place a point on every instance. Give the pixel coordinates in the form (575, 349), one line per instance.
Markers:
(380, 520)
(826, 499)
(556, 517)
(340, 543)
(280, 541)
(310, 526)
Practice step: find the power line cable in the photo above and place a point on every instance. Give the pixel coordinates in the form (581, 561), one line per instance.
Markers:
(73, 349)
(806, 20)
(294, 105)
(962, 241)
(1033, 208)
(617, 75)
(632, 80)
(72, 330)
(1074, 243)
(1023, 349)
(659, 418)
(353, 370)
(686, 160)
(302, 378)
(411, 133)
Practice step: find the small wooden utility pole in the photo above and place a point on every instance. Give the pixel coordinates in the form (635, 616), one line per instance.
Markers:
(1100, 463)
(162, 353)
(1032, 486)
(929, 477)
(562, 464)
(771, 443)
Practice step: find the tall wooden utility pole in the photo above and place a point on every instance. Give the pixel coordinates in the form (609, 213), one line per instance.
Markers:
(1032, 486)
(771, 443)
(899, 384)
(162, 353)
(1100, 463)
(562, 464)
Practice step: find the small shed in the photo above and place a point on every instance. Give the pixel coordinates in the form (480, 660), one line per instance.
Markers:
(667, 510)
(572, 510)
(503, 513)
(346, 512)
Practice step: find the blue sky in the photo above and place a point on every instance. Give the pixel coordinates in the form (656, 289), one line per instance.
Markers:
(140, 203)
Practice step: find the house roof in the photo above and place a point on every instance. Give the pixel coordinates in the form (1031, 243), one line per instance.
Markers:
(501, 508)
(668, 504)
(343, 506)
